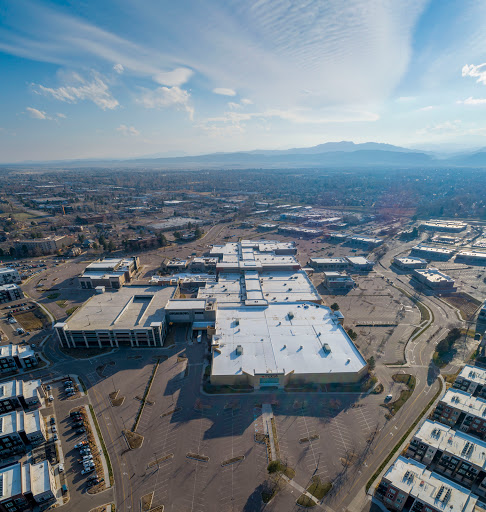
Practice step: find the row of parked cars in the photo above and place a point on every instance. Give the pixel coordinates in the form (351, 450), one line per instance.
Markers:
(84, 450)
(69, 388)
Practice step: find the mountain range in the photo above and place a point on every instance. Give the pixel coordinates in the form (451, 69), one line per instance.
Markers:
(328, 155)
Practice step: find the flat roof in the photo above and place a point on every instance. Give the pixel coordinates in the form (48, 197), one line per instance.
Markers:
(465, 402)
(32, 422)
(409, 260)
(455, 442)
(40, 481)
(474, 374)
(8, 423)
(328, 261)
(130, 307)
(359, 260)
(428, 248)
(413, 478)
(433, 275)
(475, 254)
(274, 342)
(11, 481)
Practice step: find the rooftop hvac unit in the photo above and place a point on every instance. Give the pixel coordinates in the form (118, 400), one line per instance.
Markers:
(239, 350)
(326, 347)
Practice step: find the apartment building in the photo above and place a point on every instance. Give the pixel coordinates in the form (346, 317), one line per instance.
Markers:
(9, 276)
(10, 292)
(16, 357)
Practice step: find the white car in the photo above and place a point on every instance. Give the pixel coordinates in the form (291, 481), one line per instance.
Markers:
(61, 468)
(86, 471)
(51, 398)
(388, 398)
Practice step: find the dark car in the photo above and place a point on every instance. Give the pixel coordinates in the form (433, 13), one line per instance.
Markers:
(74, 413)
(53, 420)
(80, 431)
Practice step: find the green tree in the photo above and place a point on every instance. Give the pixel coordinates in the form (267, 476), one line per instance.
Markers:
(162, 240)
(371, 363)
(335, 306)
(199, 232)
(177, 235)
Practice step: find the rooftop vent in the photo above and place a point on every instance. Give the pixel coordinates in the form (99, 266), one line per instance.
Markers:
(239, 350)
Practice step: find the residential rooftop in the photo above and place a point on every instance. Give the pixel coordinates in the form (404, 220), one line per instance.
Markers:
(465, 402)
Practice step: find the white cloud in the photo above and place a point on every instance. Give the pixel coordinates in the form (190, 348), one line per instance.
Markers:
(164, 97)
(428, 107)
(246, 101)
(36, 114)
(472, 101)
(128, 130)
(178, 76)
(118, 68)
(444, 128)
(95, 90)
(234, 106)
(223, 91)
(474, 71)
(62, 116)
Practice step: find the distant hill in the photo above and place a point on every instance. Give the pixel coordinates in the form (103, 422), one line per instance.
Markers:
(327, 155)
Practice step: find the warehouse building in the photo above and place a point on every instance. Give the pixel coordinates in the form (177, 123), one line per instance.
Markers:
(10, 292)
(280, 344)
(350, 263)
(434, 279)
(9, 276)
(409, 484)
(133, 315)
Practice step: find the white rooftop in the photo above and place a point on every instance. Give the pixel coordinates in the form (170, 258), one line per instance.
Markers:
(454, 442)
(433, 275)
(130, 307)
(275, 342)
(10, 481)
(474, 374)
(39, 478)
(430, 488)
(429, 248)
(465, 402)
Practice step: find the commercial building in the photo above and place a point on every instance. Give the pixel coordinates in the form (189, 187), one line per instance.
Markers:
(444, 225)
(409, 484)
(471, 257)
(281, 344)
(19, 394)
(110, 272)
(482, 313)
(432, 253)
(23, 487)
(133, 315)
(175, 223)
(352, 263)
(334, 264)
(204, 264)
(456, 455)
(462, 411)
(367, 242)
(10, 292)
(16, 357)
(298, 231)
(175, 265)
(338, 281)
(38, 246)
(267, 227)
(409, 263)
(9, 276)
(434, 279)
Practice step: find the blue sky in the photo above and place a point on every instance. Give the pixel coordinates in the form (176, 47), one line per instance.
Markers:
(104, 79)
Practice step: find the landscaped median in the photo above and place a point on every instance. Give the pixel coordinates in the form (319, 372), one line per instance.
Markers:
(405, 394)
(318, 489)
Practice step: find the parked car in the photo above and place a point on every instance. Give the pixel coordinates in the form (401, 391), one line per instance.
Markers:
(51, 398)
(93, 477)
(81, 444)
(86, 471)
(54, 429)
(61, 468)
(79, 424)
(53, 420)
(56, 437)
(388, 398)
(48, 387)
(80, 431)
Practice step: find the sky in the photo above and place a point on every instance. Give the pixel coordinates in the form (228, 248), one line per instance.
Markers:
(121, 79)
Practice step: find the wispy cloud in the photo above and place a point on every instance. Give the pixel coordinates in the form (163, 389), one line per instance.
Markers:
(223, 91)
(472, 101)
(36, 114)
(177, 77)
(128, 130)
(474, 71)
(427, 108)
(95, 90)
(165, 97)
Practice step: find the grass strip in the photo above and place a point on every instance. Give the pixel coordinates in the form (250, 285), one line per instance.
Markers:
(318, 489)
(402, 440)
(145, 395)
(103, 446)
